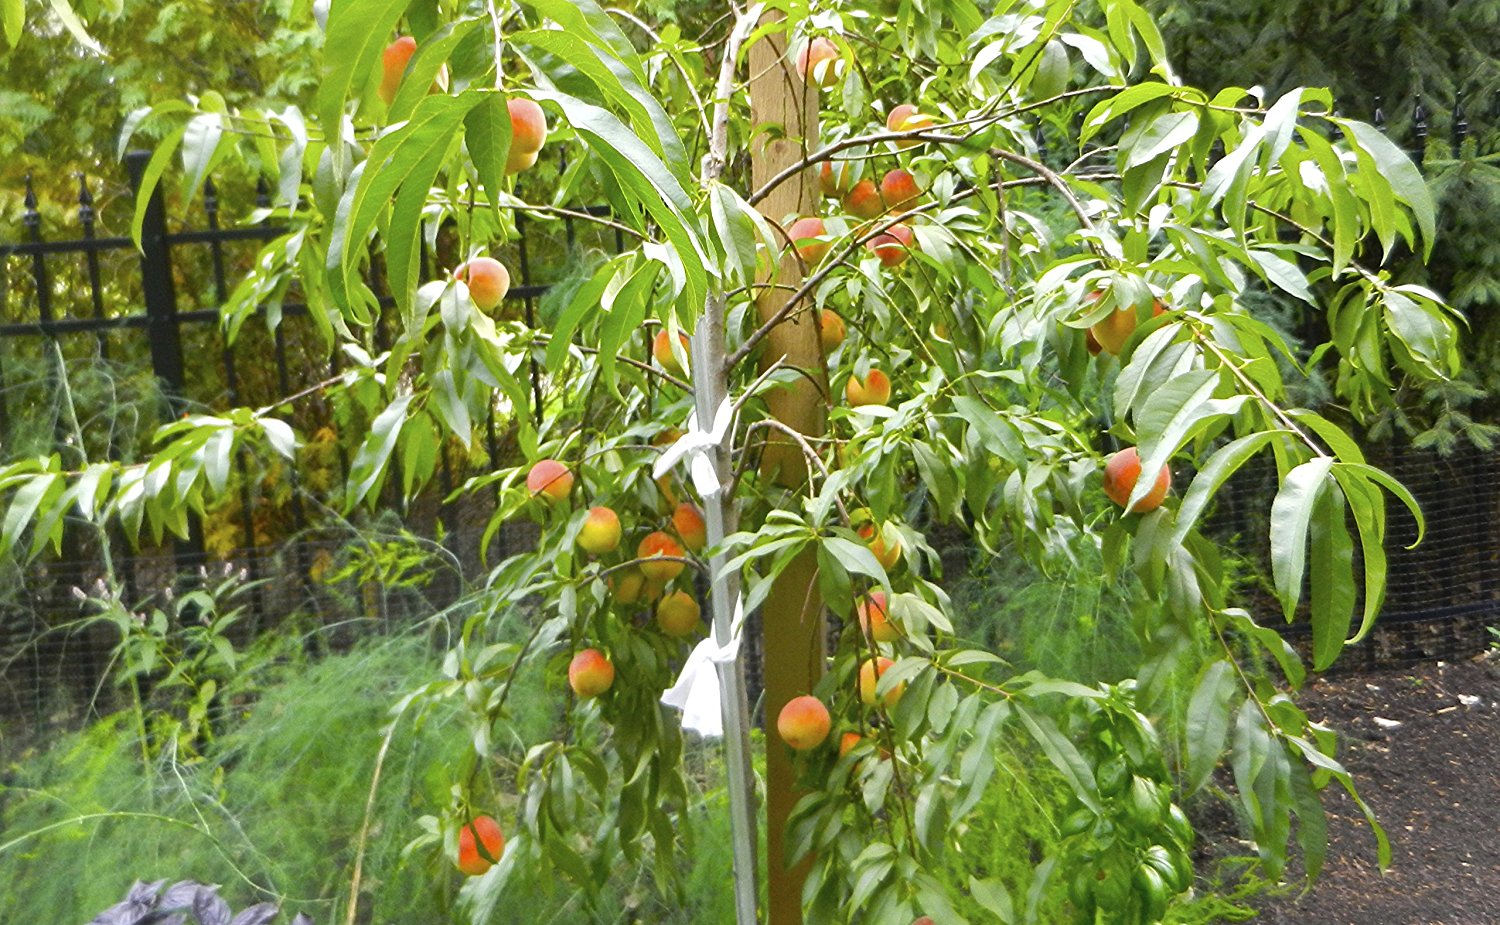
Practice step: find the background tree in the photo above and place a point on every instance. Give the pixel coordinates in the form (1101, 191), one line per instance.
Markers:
(1427, 67)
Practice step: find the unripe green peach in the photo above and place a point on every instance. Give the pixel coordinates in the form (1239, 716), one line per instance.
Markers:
(600, 533)
(677, 614)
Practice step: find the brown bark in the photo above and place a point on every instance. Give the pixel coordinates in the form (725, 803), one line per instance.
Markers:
(784, 115)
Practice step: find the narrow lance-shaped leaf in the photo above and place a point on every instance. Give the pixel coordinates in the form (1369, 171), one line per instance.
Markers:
(1208, 722)
(1332, 576)
(1291, 512)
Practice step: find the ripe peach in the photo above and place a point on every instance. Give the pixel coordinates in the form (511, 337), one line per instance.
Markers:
(393, 66)
(899, 189)
(480, 844)
(627, 586)
(652, 589)
(906, 118)
(656, 544)
(869, 677)
(874, 618)
(863, 200)
(893, 245)
(590, 673)
(528, 132)
(678, 614)
(806, 235)
(487, 279)
(1122, 472)
(835, 178)
(818, 62)
(886, 554)
(1113, 331)
(830, 329)
(600, 532)
(687, 520)
(848, 741)
(874, 390)
(803, 723)
(661, 348)
(551, 479)
(1092, 342)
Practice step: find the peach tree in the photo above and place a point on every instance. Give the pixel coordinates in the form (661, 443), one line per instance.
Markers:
(883, 264)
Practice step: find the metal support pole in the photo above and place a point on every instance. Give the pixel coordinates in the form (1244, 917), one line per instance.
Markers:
(710, 387)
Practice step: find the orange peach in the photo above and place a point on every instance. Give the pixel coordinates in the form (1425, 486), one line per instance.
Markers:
(899, 189)
(627, 586)
(863, 200)
(600, 532)
(803, 723)
(1122, 472)
(807, 236)
(661, 348)
(480, 844)
(393, 66)
(848, 741)
(550, 479)
(835, 178)
(687, 520)
(818, 62)
(590, 673)
(869, 678)
(906, 118)
(487, 280)
(874, 618)
(887, 554)
(893, 245)
(657, 544)
(830, 329)
(874, 390)
(677, 614)
(528, 132)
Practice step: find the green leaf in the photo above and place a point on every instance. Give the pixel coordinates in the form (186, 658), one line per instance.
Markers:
(1368, 506)
(200, 149)
(487, 138)
(1333, 577)
(1291, 511)
(150, 177)
(368, 469)
(1207, 726)
(620, 86)
(13, 14)
(1168, 418)
(1284, 274)
(1392, 169)
(73, 24)
(404, 154)
(358, 31)
(432, 52)
(642, 174)
(1122, 103)
(1221, 465)
(1064, 756)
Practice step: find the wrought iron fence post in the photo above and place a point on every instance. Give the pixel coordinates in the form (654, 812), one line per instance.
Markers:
(162, 331)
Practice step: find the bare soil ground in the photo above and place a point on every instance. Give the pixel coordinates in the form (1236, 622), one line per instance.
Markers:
(1423, 744)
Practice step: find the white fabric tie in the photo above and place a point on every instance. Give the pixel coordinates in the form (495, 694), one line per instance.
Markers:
(697, 692)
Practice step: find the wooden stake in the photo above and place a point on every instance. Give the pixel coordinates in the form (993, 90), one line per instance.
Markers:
(792, 615)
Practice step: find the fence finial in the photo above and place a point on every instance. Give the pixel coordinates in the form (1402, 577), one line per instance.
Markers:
(85, 200)
(31, 218)
(1460, 122)
(210, 198)
(1379, 118)
(262, 193)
